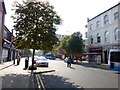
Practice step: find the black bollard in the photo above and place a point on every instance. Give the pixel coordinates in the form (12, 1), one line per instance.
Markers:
(26, 62)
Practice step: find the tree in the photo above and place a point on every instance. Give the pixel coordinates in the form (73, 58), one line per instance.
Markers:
(64, 44)
(72, 44)
(76, 43)
(35, 26)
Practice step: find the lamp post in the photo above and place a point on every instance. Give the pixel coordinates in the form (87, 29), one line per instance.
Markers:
(11, 48)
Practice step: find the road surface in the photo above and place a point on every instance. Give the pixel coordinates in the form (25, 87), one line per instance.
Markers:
(78, 76)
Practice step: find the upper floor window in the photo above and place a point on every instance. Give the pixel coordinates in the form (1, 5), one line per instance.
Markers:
(98, 24)
(116, 16)
(106, 19)
(117, 34)
(106, 36)
(98, 38)
(91, 39)
(91, 26)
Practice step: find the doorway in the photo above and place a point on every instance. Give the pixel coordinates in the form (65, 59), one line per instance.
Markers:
(106, 57)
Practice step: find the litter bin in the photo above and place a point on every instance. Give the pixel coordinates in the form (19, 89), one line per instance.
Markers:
(111, 65)
(26, 62)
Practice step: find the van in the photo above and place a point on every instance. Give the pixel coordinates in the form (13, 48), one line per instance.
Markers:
(114, 59)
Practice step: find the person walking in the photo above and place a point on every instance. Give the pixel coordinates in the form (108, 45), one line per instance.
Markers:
(69, 61)
(18, 60)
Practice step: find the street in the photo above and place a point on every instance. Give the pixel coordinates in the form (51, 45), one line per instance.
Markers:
(78, 76)
(58, 75)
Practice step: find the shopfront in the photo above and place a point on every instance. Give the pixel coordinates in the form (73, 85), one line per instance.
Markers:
(95, 55)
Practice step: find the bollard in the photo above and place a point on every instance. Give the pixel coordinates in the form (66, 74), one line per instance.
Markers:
(26, 62)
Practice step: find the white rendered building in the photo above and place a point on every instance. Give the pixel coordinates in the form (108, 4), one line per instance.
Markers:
(104, 32)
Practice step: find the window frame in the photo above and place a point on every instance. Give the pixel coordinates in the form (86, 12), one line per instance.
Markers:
(98, 38)
(98, 24)
(116, 16)
(117, 34)
(106, 36)
(106, 19)
(91, 26)
(91, 39)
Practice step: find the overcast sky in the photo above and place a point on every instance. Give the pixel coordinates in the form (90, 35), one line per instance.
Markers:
(74, 13)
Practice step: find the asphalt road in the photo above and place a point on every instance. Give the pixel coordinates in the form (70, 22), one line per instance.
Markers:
(78, 76)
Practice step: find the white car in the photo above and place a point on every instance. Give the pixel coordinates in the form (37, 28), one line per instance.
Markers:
(42, 61)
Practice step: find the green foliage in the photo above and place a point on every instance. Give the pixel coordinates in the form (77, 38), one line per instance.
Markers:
(76, 43)
(35, 25)
(64, 44)
(72, 44)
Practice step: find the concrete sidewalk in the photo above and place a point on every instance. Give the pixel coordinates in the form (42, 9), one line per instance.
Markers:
(6, 64)
(94, 65)
(14, 76)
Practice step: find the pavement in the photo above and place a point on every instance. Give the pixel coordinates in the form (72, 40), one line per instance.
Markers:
(94, 65)
(14, 76)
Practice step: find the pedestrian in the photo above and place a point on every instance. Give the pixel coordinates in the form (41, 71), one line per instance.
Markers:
(69, 61)
(18, 60)
(26, 62)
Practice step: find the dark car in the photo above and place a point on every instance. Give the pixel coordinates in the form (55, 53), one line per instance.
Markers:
(50, 56)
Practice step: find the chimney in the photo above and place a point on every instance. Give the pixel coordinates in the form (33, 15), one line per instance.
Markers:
(87, 19)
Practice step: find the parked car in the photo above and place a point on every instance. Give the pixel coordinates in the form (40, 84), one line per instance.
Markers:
(42, 61)
(50, 56)
(35, 58)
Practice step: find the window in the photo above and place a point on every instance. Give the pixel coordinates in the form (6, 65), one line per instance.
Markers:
(106, 20)
(98, 38)
(91, 26)
(91, 40)
(117, 34)
(98, 24)
(116, 16)
(115, 56)
(106, 36)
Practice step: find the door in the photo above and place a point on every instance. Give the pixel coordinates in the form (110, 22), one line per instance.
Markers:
(106, 57)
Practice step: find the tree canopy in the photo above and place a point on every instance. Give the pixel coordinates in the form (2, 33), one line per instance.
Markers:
(35, 25)
(72, 44)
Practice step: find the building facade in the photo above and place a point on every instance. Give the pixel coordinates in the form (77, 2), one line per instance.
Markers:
(2, 17)
(104, 32)
(8, 51)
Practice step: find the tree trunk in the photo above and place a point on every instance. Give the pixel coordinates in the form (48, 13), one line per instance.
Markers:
(33, 58)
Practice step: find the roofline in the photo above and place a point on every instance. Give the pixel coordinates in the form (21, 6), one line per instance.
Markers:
(104, 12)
(4, 7)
